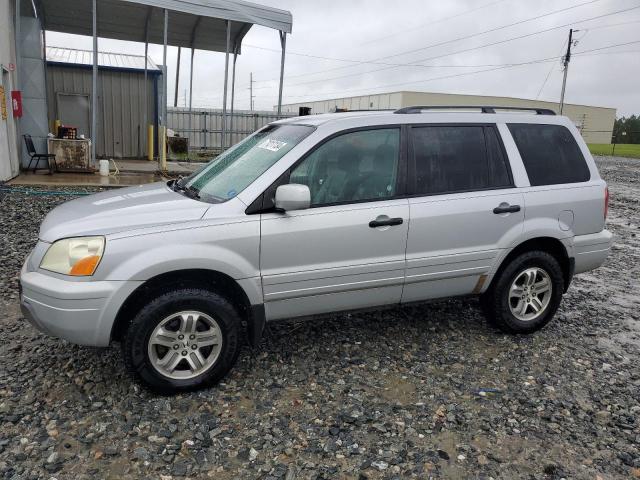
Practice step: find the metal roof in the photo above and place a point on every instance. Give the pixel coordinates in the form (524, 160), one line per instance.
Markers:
(71, 56)
(199, 24)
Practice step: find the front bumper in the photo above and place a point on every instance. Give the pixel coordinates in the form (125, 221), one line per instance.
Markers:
(81, 312)
(590, 251)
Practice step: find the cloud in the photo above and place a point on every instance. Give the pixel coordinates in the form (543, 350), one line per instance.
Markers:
(370, 30)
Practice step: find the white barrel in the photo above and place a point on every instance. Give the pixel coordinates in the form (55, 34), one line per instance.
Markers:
(104, 168)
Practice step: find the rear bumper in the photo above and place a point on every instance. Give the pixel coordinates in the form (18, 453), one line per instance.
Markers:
(80, 312)
(590, 251)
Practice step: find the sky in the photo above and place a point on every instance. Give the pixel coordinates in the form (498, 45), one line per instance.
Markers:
(452, 46)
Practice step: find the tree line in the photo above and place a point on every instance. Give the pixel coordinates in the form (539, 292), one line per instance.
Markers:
(627, 130)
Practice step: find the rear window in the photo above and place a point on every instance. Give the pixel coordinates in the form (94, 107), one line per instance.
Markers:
(453, 158)
(550, 154)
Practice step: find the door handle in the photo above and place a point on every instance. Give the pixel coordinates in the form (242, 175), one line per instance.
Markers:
(389, 222)
(506, 208)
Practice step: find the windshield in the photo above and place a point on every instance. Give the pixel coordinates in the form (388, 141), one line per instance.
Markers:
(235, 169)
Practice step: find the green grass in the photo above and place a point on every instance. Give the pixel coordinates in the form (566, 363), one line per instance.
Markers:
(622, 149)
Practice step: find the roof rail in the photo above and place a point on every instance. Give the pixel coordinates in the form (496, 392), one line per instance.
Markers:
(346, 110)
(483, 109)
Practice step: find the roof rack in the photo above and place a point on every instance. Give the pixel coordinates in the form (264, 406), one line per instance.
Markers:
(483, 109)
(346, 110)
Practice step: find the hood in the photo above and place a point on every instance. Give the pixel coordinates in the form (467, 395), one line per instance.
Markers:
(119, 210)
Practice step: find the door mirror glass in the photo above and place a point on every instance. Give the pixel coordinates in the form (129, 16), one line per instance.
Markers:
(293, 197)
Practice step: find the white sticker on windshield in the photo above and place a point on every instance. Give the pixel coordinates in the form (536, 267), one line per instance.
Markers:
(272, 145)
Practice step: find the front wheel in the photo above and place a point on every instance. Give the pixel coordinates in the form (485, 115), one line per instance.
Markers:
(182, 340)
(526, 294)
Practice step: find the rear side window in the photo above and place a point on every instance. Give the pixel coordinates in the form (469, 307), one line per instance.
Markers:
(454, 158)
(550, 154)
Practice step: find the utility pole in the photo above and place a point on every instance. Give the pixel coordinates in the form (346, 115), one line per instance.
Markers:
(251, 91)
(565, 62)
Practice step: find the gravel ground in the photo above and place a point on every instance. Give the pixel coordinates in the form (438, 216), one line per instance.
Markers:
(419, 392)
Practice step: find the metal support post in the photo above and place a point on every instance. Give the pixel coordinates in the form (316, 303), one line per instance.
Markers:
(233, 90)
(175, 96)
(94, 84)
(283, 44)
(226, 81)
(163, 130)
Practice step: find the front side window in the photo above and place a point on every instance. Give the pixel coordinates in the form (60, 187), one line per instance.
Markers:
(455, 158)
(235, 169)
(550, 154)
(353, 167)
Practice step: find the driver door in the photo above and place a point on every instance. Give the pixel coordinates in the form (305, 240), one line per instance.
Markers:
(348, 250)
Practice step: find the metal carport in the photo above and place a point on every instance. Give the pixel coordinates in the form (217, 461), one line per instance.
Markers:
(214, 25)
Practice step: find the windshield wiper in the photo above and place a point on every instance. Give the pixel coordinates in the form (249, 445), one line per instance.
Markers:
(191, 192)
(176, 185)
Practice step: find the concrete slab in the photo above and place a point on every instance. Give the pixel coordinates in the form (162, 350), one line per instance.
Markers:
(146, 166)
(132, 172)
(85, 179)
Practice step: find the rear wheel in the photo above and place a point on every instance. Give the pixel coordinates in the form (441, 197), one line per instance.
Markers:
(182, 340)
(526, 294)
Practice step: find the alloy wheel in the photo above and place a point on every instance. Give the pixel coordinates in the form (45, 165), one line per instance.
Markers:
(530, 294)
(185, 345)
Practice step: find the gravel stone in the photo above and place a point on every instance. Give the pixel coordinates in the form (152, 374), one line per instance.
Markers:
(411, 389)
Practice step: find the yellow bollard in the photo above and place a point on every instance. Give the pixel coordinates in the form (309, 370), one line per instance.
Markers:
(163, 148)
(150, 142)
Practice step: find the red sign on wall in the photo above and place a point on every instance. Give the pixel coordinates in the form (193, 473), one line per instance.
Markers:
(16, 103)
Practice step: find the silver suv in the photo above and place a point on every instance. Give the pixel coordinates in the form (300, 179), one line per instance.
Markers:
(321, 214)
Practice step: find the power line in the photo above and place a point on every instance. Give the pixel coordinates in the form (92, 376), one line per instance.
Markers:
(446, 42)
(584, 53)
(613, 25)
(606, 53)
(548, 74)
(633, 42)
(472, 48)
(444, 77)
(278, 51)
(442, 20)
(375, 63)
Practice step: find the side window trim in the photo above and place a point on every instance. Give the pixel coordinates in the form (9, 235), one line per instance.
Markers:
(262, 204)
(412, 186)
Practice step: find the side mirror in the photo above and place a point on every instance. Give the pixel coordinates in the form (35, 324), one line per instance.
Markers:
(293, 197)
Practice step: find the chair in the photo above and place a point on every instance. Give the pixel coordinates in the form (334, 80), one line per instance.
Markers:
(48, 157)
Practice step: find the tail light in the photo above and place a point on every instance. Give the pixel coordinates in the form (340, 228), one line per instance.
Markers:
(606, 202)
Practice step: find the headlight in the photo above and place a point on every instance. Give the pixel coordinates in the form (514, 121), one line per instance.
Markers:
(74, 256)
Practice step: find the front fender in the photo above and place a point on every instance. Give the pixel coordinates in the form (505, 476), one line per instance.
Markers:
(232, 249)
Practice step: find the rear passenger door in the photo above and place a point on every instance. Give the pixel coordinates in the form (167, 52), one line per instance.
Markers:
(464, 209)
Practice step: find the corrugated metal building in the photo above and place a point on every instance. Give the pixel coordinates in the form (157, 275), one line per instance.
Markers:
(595, 123)
(121, 98)
(203, 126)
(9, 162)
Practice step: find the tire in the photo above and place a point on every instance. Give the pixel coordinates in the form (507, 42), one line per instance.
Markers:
(198, 316)
(516, 313)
